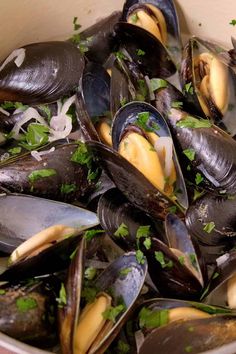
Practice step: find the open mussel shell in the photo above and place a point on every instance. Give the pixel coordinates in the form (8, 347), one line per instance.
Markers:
(114, 209)
(110, 281)
(156, 62)
(208, 333)
(214, 150)
(212, 83)
(34, 324)
(62, 62)
(23, 216)
(170, 274)
(132, 183)
(99, 39)
(128, 116)
(221, 291)
(55, 168)
(167, 7)
(218, 211)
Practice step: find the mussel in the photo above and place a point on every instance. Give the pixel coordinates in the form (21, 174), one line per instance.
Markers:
(62, 62)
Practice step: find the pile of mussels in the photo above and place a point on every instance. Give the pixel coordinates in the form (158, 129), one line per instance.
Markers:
(118, 189)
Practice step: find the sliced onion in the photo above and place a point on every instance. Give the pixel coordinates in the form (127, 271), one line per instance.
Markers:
(37, 154)
(4, 112)
(61, 126)
(67, 104)
(29, 114)
(18, 55)
(222, 259)
(165, 143)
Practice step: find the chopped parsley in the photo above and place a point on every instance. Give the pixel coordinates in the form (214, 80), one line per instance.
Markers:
(157, 84)
(123, 102)
(92, 175)
(188, 349)
(143, 231)
(13, 105)
(233, 22)
(90, 234)
(90, 273)
(198, 178)
(84, 157)
(45, 108)
(38, 174)
(125, 271)
(142, 90)
(25, 304)
(177, 104)
(193, 259)
(197, 194)
(2, 292)
(62, 300)
(188, 88)
(142, 122)
(120, 55)
(122, 347)
(181, 260)
(35, 136)
(15, 150)
(190, 153)
(189, 168)
(172, 209)
(140, 52)
(153, 319)
(194, 123)
(134, 18)
(140, 257)
(159, 256)
(215, 275)
(209, 227)
(77, 26)
(68, 188)
(112, 313)
(147, 243)
(122, 231)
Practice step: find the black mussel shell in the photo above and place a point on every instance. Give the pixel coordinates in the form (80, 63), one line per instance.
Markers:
(17, 175)
(23, 216)
(49, 71)
(28, 313)
(171, 277)
(95, 88)
(114, 210)
(221, 291)
(99, 38)
(215, 211)
(208, 333)
(214, 151)
(128, 115)
(156, 62)
(132, 183)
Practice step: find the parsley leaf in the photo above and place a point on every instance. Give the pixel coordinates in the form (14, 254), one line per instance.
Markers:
(111, 313)
(194, 123)
(123, 102)
(122, 231)
(62, 300)
(45, 108)
(38, 174)
(177, 104)
(120, 55)
(233, 22)
(181, 260)
(140, 257)
(197, 194)
(190, 153)
(172, 209)
(89, 294)
(68, 188)
(189, 349)
(15, 150)
(134, 18)
(84, 157)
(25, 304)
(90, 273)
(157, 84)
(143, 231)
(90, 234)
(198, 178)
(147, 243)
(188, 88)
(142, 90)
(13, 105)
(142, 121)
(77, 26)
(36, 135)
(140, 52)
(153, 319)
(125, 271)
(209, 227)
(122, 347)
(159, 256)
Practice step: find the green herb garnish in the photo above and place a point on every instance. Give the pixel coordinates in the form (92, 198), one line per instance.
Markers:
(147, 243)
(193, 123)
(84, 157)
(90, 273)
(38, 174)
(189, 349)
(36, 136)
(122, 347)
(233, 22)
(45, 108)
(190, 153)
(120, 55)
(111, 313)
(125, 271)
(13, 105)
(140, 52)
(15, 150)
(197, 194)
(157, 84)
(188, 88)
(172, 209)
(122, 231)
(177, 104)
(181, 260)
(68, 188)
(159, 256)
(209, 227)
(153, 319)
(25, 304)
(198, 178)
(143, 231)
(134, 18)
(77, 26)
(89, 294)
(123, 102)
(90, 234)
(142, 90)
(142, 120)
(62, 300)
(140, 257)
(215, 275)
